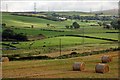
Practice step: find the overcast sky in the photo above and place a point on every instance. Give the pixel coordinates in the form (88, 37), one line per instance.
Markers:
(58, 5)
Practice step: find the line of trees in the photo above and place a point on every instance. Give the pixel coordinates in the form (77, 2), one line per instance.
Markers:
(95, 17)
(9, 34)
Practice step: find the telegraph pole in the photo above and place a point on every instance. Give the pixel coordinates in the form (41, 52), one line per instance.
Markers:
(119, 25)
(90, 10)
(119, 33)
(101, 8)
(83, 36)
(6, 7)
(35, 7)
(60, 47)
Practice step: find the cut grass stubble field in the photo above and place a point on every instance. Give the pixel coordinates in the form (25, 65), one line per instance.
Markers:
(60, 68)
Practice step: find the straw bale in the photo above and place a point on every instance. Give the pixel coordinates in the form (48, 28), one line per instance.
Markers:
(101, 68)
(106, 58)
(78, 66)
(5, 59)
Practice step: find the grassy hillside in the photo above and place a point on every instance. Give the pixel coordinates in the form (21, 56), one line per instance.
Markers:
(24, 21)
(52, 40)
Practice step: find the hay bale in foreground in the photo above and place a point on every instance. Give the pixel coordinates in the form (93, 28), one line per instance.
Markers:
(101, 68)
(106, 58)
(5, 59)
(78, 66)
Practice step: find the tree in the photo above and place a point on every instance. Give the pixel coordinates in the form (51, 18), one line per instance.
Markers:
(76, 25)
(67, 27)
(3, 25)
(21, 37)
(32, 26)
(76, 17)
(115, 24)
(48, 25)
(104, 24)
(8, 34)
(71, 26)
(86, 21)
(100, 23)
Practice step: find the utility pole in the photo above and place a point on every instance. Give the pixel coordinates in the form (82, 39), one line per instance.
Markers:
(60, 47)
(101, 8)
(90, 10)
(119, 25)
(35, 7)
(83, 37)
(6, 7)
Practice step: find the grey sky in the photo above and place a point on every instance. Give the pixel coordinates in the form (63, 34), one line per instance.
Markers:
(59, 5)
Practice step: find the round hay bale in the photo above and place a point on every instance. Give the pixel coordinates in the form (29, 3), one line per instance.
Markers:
(78, 66)
(106, 58)
(101, 68)
(5, 59)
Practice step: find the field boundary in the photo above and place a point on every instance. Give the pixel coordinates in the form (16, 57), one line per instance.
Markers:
(15, 58)
(91, 37)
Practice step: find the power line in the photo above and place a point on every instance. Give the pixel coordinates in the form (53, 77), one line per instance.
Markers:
(90, 10)
(6, 7)
(35, 7)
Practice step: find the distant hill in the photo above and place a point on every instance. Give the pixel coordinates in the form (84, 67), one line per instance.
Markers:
(108, 12)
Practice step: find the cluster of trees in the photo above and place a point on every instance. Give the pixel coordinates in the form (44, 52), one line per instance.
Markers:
(9, 34)
(74, 25)
(115, 24)
(95, 17)
(89, 17)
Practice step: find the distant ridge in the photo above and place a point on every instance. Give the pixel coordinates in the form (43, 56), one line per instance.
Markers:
(108, 12)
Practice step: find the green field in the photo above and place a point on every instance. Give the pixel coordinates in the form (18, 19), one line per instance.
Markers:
(21, 22)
